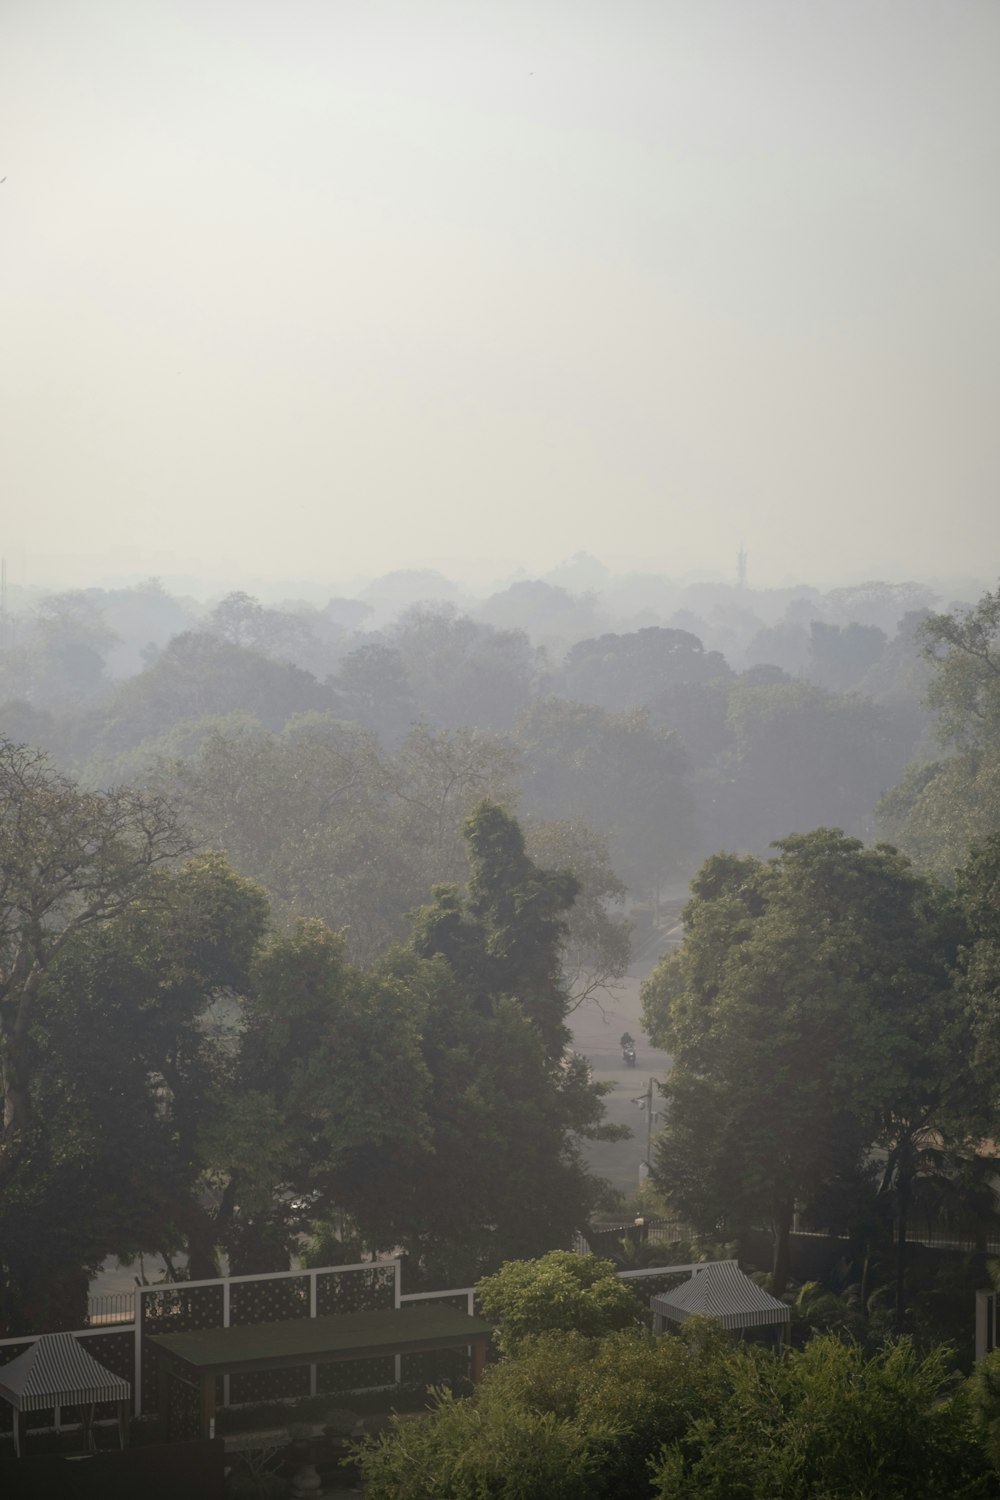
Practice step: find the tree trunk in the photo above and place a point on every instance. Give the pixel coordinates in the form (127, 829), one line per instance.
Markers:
(865, 1268)
(782, 1249)
(201, 1233)
(253, 1251)
(903, 1195)
(14, 1075)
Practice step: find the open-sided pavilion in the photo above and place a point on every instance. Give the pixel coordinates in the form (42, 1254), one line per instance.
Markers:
(721, 1291)
(199, 1358)
(57, 1371)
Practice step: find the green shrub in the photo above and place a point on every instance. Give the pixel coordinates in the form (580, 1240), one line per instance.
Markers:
(828, 1422)
(562, 1291)
(467, 1452)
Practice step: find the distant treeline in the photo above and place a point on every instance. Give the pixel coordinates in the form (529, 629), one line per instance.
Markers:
(661, 723)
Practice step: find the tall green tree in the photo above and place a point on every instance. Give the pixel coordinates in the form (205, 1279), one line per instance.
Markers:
(506, 1106)
(128, 1051)
(812, 1002)
(945, 805)
(328, 1085)
(503, 938)
(70, 860)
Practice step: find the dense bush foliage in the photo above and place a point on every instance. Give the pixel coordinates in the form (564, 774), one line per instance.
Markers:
(561, 1291)
(674, 1418)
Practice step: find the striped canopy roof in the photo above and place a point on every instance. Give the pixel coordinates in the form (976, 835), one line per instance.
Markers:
(722, 1292)
(56, 1371)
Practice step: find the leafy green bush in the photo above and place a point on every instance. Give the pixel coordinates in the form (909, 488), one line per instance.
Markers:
(561, 1291)
(830, 1422)
(693, 1418)
(469, 1452)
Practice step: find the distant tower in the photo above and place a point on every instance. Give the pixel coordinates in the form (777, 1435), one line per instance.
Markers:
(741, 567)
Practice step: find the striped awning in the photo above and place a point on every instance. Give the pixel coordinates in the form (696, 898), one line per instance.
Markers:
(57, 1371)
(722, 1292)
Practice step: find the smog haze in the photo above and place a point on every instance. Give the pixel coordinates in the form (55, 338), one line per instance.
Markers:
(326, 289)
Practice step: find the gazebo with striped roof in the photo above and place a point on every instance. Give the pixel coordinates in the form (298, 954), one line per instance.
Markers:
(721, 1291)
(57, 1371)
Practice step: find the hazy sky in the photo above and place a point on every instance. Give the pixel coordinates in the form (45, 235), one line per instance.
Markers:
(310, 288)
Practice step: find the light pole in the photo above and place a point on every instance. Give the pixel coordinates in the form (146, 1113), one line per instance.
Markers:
(645, 1102)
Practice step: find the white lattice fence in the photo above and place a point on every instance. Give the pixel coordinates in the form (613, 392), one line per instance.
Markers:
(232, 1301)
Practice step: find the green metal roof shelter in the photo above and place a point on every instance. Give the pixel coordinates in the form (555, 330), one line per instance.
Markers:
(198, 1358)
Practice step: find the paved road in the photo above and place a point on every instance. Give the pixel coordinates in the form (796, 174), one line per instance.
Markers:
(595, 1035)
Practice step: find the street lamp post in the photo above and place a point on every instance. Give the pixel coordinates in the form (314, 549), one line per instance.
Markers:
(645, 1103)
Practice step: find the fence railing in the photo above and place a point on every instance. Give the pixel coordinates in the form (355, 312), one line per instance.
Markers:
(951, 1239)
(655, 1231)
(120, 1322)
(109, 1308)
(671, 1232)
(241, 1299)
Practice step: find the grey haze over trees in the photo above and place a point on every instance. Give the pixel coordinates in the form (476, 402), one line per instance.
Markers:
(349, 825)
(335, 828)
(197, 676)
(945, 804)
(67, 649)
(619, 672)
(331, 826)
(796, 756)
(461, 672)
(761, 742)
(552, 617)
(627, 773)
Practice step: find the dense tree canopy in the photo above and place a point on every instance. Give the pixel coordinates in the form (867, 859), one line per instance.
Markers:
(122, 1068)
(812, 1003)
(329, 1073)
(175, 1077)
(629, 774)
(508, 1107)
(841, 655)
(463, 672)
(785, 758)
(800, 757)
(945, 805)
(197, 675)
(335, 828)
(622, 672)
(69, 860)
